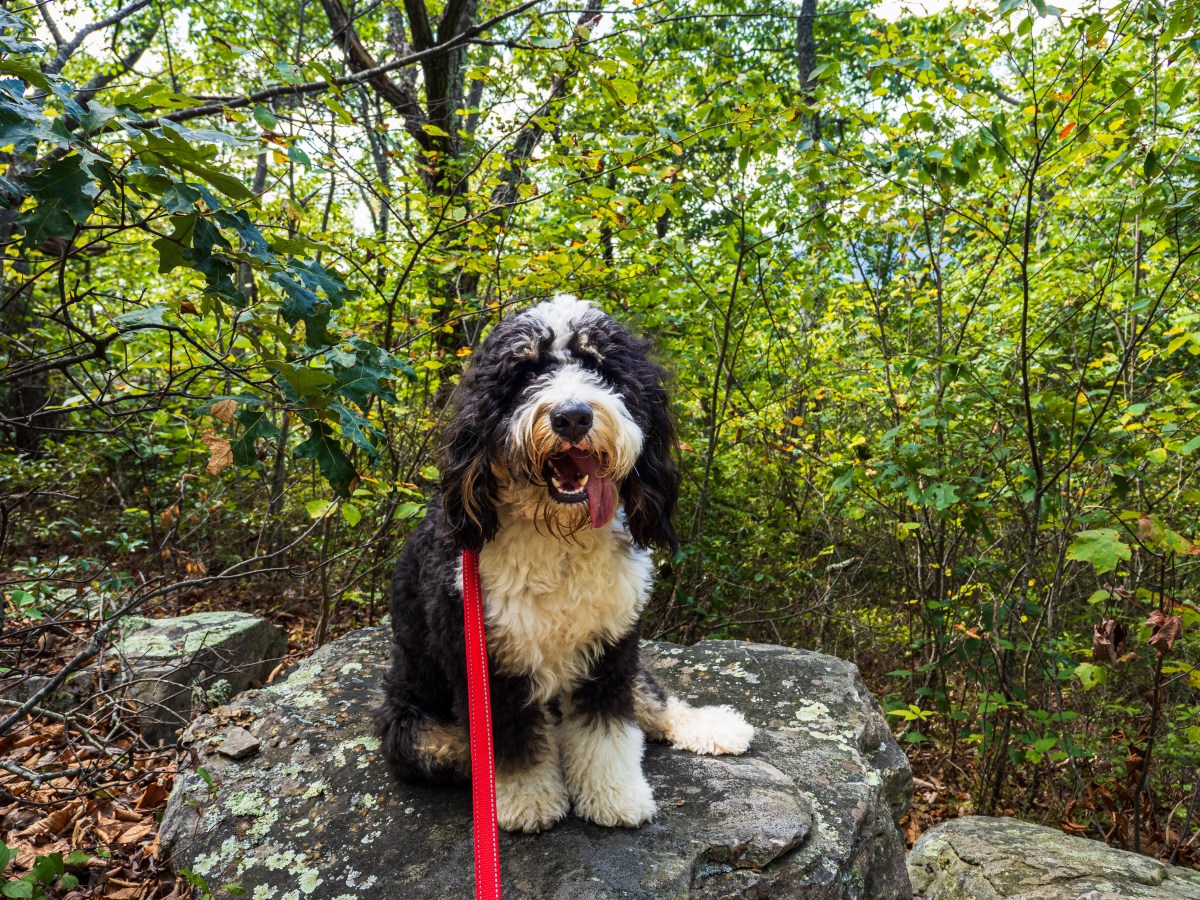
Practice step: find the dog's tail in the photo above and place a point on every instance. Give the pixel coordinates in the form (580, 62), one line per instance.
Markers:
(715, 730)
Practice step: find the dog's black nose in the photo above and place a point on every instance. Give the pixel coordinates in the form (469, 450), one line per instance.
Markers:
(571, 421)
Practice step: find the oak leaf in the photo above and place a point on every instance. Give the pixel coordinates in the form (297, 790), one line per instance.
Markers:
(224, 410)
(220, 453)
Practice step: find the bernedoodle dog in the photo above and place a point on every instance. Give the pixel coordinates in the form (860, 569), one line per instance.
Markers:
(559, 468)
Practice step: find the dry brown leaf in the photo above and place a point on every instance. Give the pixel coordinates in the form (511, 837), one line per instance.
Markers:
(136, 834)
(220, 453)
(152, 797)
(224, 410)
(55, 822)
(1164, 630)
(128, 815)
(25, 856)
(1108, 639)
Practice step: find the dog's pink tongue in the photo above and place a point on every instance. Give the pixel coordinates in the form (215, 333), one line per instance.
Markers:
(601, 501)
(601, 498)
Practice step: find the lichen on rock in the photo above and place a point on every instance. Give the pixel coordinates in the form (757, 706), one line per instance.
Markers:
(809, 811)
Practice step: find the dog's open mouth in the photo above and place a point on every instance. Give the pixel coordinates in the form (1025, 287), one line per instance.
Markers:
(573, 476)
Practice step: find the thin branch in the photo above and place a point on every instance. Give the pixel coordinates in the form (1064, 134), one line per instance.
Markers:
(66, 50)
(316, 87)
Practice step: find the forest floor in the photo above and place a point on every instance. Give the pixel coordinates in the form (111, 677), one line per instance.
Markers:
(117, 829)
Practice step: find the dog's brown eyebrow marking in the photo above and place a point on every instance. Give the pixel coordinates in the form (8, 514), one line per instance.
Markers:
(532, 352)
(535, 349)
(581, 345)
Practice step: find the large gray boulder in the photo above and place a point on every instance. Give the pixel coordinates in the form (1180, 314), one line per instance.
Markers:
(981, 858)
(177, 666)
(810, 811)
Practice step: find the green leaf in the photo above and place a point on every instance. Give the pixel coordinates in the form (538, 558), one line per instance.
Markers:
(624, 90)
(46, 868)
(1090, 675)
(351, 514)
(334, 464)
(362, 433)
(257, 425)
(1103, 548)
(65, 196)
(180, 198)
(22, 887)
(304, 381)
(264, 117)
(151, 315)
(316, 509)
(944, 496)
(173, 248)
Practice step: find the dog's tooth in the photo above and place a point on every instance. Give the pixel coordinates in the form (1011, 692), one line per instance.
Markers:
(583, 482)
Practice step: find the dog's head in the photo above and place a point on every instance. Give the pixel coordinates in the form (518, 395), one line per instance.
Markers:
(562, 417)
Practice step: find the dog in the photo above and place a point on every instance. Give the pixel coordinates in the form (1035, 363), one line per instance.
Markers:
(559, 469)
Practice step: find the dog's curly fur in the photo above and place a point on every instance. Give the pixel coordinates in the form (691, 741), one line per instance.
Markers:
(559, 468)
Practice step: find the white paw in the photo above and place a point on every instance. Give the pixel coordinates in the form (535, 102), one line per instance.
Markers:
(627, 805)
(533, 800)
(709, 730)
(602, 763)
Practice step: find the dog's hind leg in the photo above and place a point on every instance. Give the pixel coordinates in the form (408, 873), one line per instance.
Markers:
(713, 730)
(419, 744)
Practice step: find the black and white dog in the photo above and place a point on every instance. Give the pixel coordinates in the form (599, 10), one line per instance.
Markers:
(558, 467)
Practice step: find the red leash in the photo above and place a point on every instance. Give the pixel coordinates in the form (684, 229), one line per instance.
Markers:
(483, 758)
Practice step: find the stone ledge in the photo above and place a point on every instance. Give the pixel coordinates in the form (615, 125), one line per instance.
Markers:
(810, 811)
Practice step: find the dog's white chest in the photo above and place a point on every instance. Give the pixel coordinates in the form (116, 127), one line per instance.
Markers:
(551, 604)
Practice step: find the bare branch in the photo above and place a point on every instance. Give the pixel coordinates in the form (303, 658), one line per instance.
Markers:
(418, 23)
(66, 50)
(359, 59)
(316, 87)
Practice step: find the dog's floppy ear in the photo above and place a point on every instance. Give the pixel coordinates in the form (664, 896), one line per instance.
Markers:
(481, 402)
(650, 491)
(468, 487)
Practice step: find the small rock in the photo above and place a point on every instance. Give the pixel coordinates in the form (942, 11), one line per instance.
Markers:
(177, 666)
(238, 743)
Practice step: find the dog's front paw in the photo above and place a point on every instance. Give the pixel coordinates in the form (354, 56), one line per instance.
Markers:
(603, 766)
(627, 804)
(531, 801)
(715, 730)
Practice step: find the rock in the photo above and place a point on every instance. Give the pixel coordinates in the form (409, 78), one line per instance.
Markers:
(809, 812)
(981, 858)
(238, 743)
(175, 666)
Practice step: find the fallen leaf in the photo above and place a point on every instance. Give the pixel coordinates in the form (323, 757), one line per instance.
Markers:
(55, 822)
(152, 797)
(136, 834)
